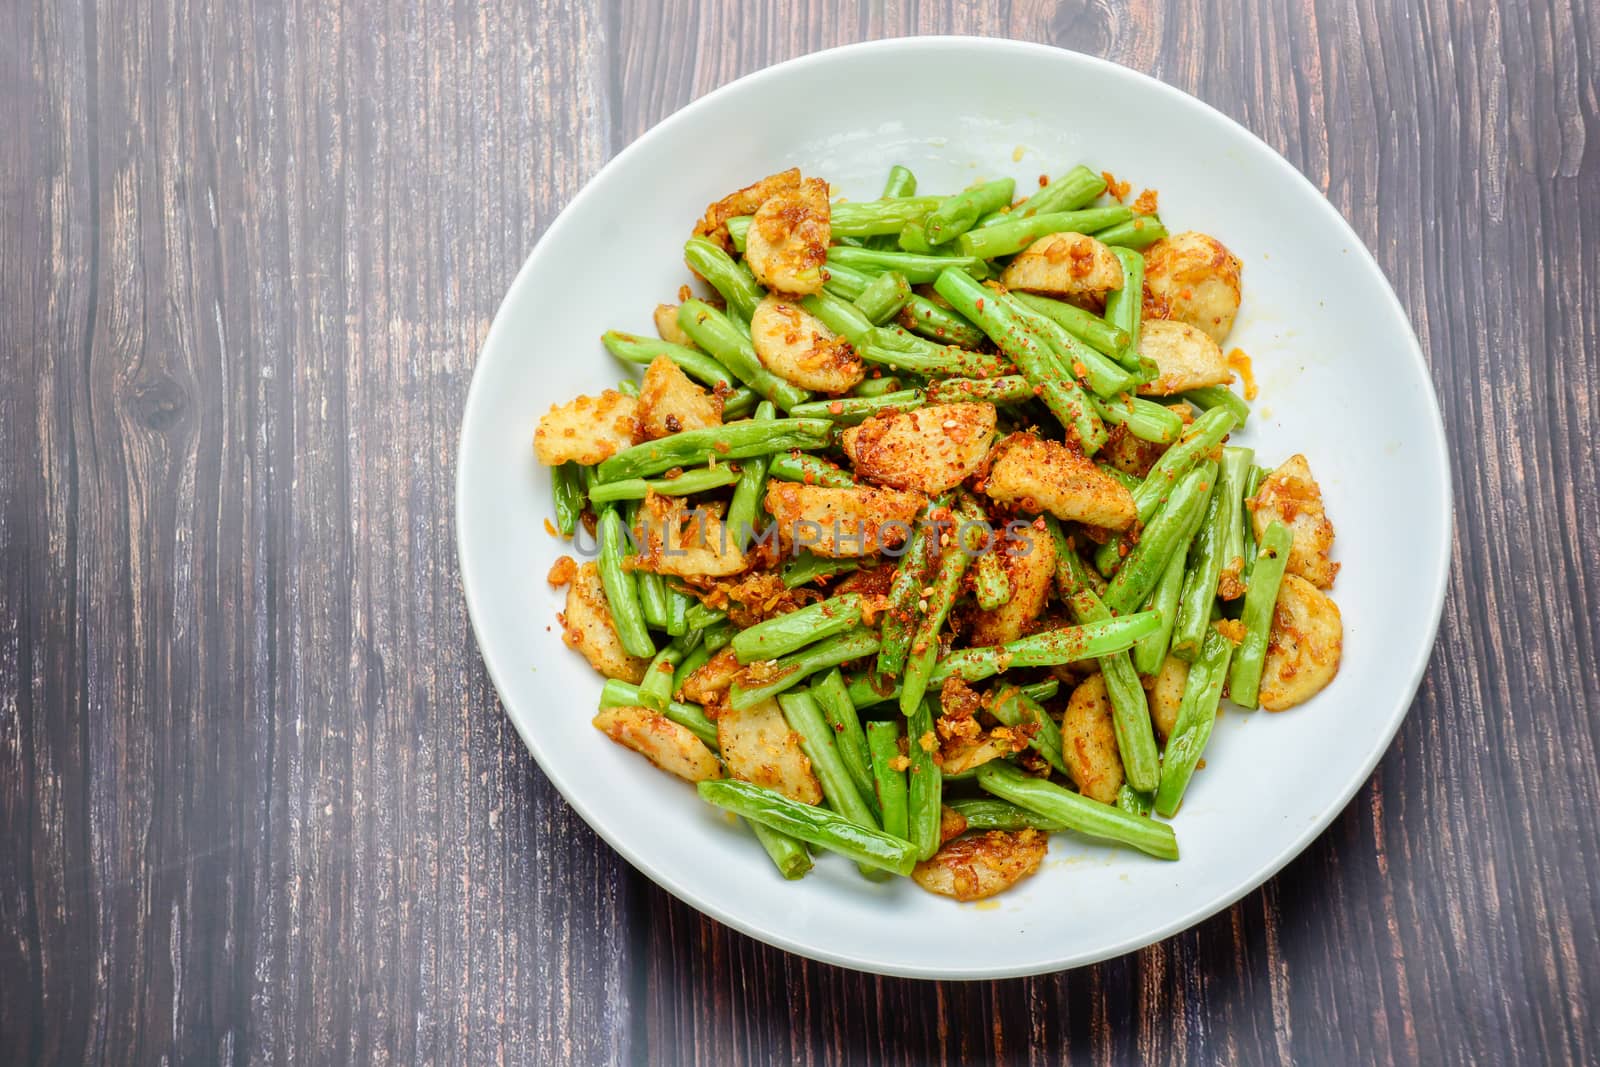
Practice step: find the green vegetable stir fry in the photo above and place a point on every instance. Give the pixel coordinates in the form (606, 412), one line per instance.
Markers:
(922, 539)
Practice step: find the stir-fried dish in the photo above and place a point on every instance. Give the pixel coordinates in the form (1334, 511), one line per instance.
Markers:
(921, 537)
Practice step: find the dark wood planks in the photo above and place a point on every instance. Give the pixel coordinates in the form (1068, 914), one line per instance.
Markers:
(258, 801)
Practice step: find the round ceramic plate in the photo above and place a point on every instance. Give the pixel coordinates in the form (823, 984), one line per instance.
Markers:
(1342, 380)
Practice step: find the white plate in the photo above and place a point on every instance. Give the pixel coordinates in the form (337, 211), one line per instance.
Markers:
(1342, 380)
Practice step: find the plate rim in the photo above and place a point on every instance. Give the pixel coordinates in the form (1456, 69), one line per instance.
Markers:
(1190, 917)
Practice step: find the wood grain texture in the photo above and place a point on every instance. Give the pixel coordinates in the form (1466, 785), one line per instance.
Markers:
(258, 802)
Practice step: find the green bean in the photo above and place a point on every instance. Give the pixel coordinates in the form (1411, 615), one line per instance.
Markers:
(873, 218)
(938, 323)
(691, 481)
(1136, 578)
(652, 598)
(991, 585)
(712, 640)
(1039, 692)
(1197, 715)
(716, 333)
(1151, 653)
(1061, 395)
(1072, 574)
(1130, 707)
(733, 280)
(744, 510)
(1125, 306)
(738, 229)
(838, 315)
(1009, 389)
(789, 671)
(656, 689)
(1013, 235)
(873, 387)
(889, 784)
(1086, 326)
(1135, 802)
(833, 696)
(1015, 708)
(812, 470)
(959, 213)
(883, 297)
(1260, 601)
(1073, 190)
(1210, 396)
(1138, 233)
(1145, 419)
(900, 183)
(702, 617)
(787, 854)
(867, 689)
(622, 594)
(1206, 558)
(1065, 644)
(1203, 435)
(934, 607)
(916, 268)
(1236, 520)
(694, 448)
(620, 694)
(913, 238)
(938, 361)
(849, 410)
(631, 348)
(628, 387)
(813, 825)
(1076, 359)
(988, 813)
(906, 588)
(1076, 812)
(817, 741)
(678, 615)
(925, 786)
(1128, 481)
(742, 401)
(920, 315)
(567, 485)
(805, 568)
(1252, 485)
(783, 634)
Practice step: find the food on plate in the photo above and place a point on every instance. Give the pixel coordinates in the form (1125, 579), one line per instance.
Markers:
(924, 538)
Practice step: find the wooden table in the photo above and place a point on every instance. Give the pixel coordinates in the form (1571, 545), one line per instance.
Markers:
(257, 800)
